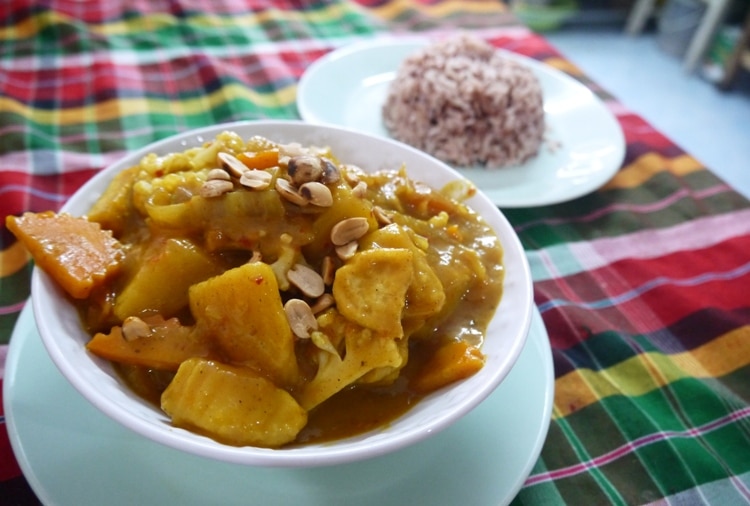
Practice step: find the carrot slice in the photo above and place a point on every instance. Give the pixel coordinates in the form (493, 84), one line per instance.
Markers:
(452, 362)
(165, 347)
(76, 252)
(262, 160)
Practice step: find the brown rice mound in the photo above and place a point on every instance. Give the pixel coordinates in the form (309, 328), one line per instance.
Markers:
(461, 101)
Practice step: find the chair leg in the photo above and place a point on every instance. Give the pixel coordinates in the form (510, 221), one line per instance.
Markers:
(704, 35)
(639, 16)
(734, 65)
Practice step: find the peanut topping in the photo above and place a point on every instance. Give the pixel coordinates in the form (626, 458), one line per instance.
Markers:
(381, 215)
(305, 168)
(288, 191)
(218, 174)
(360, 190)
(327, 270)
(349, 230)
(256, 179)
(346, 251)
(215, 188)
(331, 173)
(307, 280)
(232, 164)
(301, 318)
(324, 302)
(317, 194)
(134, 328)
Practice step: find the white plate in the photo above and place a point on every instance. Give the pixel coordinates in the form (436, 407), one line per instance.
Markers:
(72, 454)
(584, 145)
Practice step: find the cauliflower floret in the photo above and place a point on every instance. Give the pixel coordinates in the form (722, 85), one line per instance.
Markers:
(231, 141)
(288, 256)
(172, 188)
(154, 165)
(257, 143)
(359, 351)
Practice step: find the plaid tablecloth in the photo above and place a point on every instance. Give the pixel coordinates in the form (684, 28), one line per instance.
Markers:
(644, 285)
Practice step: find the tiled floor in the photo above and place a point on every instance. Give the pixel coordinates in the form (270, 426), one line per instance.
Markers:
(712, 125)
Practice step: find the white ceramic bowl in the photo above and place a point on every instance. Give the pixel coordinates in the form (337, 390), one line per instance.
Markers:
(95, 379)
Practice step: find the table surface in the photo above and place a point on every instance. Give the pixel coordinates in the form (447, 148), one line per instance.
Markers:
(642, 285)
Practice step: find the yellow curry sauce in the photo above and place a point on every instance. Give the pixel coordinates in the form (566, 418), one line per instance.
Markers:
(332, 298)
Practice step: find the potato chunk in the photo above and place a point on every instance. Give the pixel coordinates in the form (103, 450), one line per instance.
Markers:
(371, 288)
(425, 296)
(161, 283)
(243, 313)
(114, 209)
(234, 405)
(75, 252)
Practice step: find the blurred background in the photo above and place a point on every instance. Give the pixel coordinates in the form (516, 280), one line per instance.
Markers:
(684, 65)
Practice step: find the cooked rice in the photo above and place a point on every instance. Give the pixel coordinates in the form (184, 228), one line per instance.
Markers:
(463, 102)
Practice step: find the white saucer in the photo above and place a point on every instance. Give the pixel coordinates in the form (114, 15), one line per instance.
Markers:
(585, 145)
(71, 454)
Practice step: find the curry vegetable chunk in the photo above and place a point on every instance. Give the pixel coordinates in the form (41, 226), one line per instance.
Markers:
(169, 267)
(264, 293)
(164, 345)
(77, 253)
(233, 404)
(241, 310)
(350, 353)
(371, 289)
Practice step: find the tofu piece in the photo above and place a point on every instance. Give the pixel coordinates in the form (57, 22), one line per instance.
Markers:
(425, 296)
(370, 289)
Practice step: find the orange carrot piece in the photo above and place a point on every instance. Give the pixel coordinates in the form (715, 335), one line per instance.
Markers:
(75, 252)
(166, 347)
(451, 362)
(262, 160)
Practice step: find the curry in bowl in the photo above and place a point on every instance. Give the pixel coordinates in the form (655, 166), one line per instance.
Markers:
(269, 294)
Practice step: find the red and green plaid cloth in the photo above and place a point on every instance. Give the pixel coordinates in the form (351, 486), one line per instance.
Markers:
(644, 285)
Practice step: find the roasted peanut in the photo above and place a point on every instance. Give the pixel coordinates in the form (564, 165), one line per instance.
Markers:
(290, 193)
(232, 164)
(317, 194)
(134, 328)
(307, 280)
(215, 188)
(300, 317)
(349, 230)
(305, 168)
